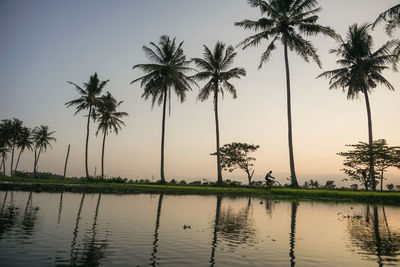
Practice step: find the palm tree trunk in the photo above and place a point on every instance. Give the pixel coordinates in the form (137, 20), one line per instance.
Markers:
(66, 161)
(163, 137)
(87, 142)
(37, 160)
(219, 173)
(16, 165)
(34, 165)
(289, 114)
(102, 154)
(382, 180)
(370, 141)
(12, 159)
(4, 167)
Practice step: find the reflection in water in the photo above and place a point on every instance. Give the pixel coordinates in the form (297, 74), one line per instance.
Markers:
(293, 232)
(73, 257)
(93, 249)
(8, 216)
(368, 235)
(155, 242)
(29, 217)
(214, 242)
(234, 227)
(60, 208)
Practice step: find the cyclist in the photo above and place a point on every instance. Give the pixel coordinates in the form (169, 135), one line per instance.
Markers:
(269, 179)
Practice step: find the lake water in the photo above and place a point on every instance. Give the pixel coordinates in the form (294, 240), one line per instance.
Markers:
(47, 229)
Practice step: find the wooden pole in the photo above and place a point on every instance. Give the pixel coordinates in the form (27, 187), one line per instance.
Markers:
(66, 161)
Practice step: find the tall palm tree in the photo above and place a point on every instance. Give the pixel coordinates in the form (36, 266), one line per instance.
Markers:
(168, 70)
(24, 142)
(42, 139)
(109, 120)
(286, 21)
(16, 128)
(89, 95)
(360, 72)
(214, 67)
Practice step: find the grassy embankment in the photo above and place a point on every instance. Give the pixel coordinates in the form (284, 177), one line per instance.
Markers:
(76, 185)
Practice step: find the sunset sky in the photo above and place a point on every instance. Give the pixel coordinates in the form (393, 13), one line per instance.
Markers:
(46, 43)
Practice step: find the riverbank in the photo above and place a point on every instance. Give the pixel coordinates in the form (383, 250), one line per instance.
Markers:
(76, 185)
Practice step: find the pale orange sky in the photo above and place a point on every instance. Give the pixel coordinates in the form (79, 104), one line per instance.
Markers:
(44, 44)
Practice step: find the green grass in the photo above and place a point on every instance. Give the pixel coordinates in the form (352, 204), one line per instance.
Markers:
(76, 185)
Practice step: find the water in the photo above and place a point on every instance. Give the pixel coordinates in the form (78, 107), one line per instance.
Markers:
(47, 229)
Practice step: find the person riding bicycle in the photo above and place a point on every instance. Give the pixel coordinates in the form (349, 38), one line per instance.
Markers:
(269, 179)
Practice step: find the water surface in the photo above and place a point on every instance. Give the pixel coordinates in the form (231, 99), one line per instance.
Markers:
(47, 229)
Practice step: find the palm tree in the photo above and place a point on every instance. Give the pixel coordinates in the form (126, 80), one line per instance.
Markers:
(392, 19)
(24, 142)
(167, 71)
(360, 72)
(16, 128)
(287, 21)
(42, 139)
(87, 100)
(109, 120)
(5, 142)
(215, 68)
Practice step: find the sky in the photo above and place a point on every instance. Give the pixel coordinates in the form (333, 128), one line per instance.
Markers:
(46, 43)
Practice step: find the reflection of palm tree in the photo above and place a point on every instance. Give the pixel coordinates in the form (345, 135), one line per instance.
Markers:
(29, 217)
(368, 236)
(75, 233)
(292, 233)
(8, 217)
(155, 242)
(4, 203)
(60, 208)
(214, 243)
(94, 250)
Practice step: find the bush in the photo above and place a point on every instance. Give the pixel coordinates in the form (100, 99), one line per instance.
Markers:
(390, 187)
(195, 183)
(173, 182)
(182, 182)
(354, 186)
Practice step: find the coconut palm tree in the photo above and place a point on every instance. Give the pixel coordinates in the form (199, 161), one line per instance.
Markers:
(392, 19)
(215, 68)
(5, 142)
(15, 132)
(24, 142)
(287, 21)
(109, 120)
(89, 95)
(360, 72)
(42, 138)
(166, 72)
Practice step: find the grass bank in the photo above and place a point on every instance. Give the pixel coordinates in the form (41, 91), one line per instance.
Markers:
(76, 185)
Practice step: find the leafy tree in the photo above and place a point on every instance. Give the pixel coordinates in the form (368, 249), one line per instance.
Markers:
(166, 72)
(390, 187)
(89, 95)
(357, 160)
(360, 72)
(330, 185)
(215, 68)
(235, 156)
(397, 187)
(286, 21)
(24, 142)
(109, 120)
(42, 138)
